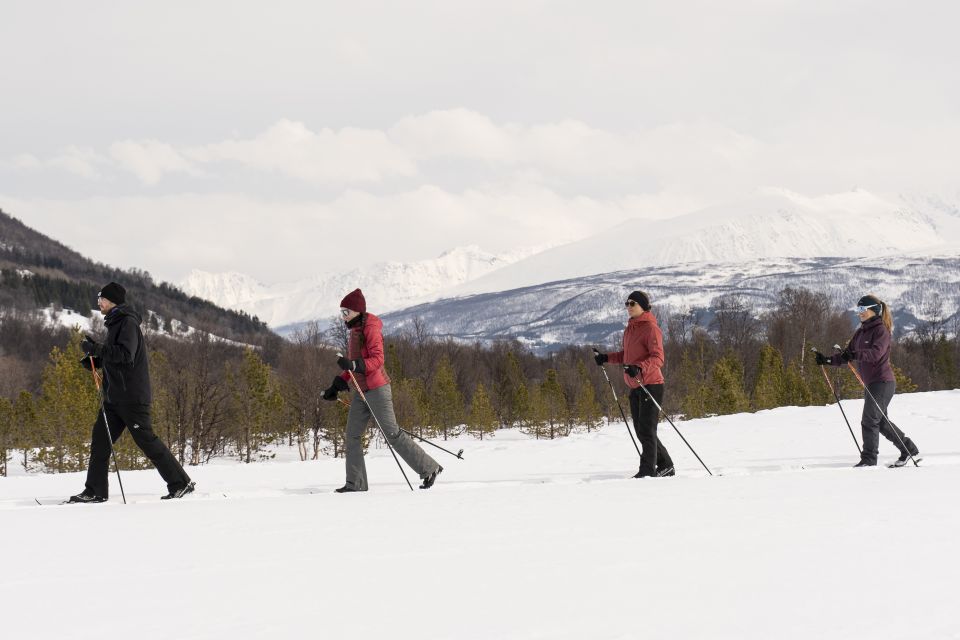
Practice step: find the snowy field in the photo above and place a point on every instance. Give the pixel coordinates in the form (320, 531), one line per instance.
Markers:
(523, 539)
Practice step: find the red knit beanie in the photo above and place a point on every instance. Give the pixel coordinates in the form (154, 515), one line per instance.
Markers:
(354, 301)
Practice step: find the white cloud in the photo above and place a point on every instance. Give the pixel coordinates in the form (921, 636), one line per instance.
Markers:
(350, 155)
(83, 162)
(149, 160)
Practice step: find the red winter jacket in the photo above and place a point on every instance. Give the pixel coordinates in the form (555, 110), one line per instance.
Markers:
(371, 353)
(642, 346)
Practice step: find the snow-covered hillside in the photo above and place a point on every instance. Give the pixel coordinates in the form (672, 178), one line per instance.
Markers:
(523, 539)
(387, 286)
(589, 310)
(776, 224)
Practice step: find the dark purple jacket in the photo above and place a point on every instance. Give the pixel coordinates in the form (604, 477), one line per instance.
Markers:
(870, 347)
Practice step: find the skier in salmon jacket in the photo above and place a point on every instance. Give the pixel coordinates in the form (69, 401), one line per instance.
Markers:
(365, 359)
(870, 350)
(642, 357)
(126, 399)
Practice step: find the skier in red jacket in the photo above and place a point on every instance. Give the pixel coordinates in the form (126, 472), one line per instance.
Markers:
(642, 357)
(365, 358)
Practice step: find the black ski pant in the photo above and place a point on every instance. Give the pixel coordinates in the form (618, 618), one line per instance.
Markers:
(646, 415)
(873, 423)
(136, 418)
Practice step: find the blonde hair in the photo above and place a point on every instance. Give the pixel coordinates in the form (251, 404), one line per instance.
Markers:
(885, 314)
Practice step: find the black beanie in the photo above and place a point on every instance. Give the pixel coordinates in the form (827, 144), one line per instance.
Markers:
(641, 299)
(114, 293)
(871, 301)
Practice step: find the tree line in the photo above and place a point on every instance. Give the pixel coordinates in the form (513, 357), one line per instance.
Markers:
(213, 398)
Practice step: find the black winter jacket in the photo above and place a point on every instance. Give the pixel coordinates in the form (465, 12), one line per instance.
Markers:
(123, 359)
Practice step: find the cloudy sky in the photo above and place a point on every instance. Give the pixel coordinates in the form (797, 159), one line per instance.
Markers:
(286, 139)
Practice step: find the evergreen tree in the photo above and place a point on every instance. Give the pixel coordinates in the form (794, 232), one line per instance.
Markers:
(770, 389)
(26, 436)
(554, 401)
(587, 411)
(6, 433)
(257, 403)
(483, 420)
(727, 394)
(512, 391)
(796, 390)
(446, 401)
(534, 419)
(410, 405)
(904, 383)
(67, 406)
(393, 363)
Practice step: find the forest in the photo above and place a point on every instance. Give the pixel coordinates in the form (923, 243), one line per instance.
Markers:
(217, 398)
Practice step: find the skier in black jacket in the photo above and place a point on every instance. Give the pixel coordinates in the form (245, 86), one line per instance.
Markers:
(126, 399)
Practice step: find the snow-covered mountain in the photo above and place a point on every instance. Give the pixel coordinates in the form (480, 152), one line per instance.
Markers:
(589, 310)
(387, 286)
(775, 230)
(775, 224)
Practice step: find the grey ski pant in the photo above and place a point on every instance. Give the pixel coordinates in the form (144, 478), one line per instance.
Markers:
(873, 423)
(381, 402)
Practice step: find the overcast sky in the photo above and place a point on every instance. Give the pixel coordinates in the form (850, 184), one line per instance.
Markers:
(285, 139)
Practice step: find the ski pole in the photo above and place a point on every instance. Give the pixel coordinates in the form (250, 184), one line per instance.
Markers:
(617, 400)
(377, 420)
(106, 424)
(660, 409)
(837, 397)
(421, 439)
(879, 408)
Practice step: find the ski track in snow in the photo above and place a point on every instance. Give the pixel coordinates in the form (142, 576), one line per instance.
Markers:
(522, 539)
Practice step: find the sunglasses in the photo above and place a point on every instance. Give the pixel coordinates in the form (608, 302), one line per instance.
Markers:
(345, 312)
(630, 303)
(861, 308)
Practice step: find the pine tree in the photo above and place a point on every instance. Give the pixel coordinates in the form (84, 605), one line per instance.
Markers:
(410, 405)
(554, 404)
(258, 404)
(727, 394)
(6, 434)
(512, 391)
(769, 390)
(446, 401)
(67, 405)
(483, 420)
(26, 436)
(588, 411)
(534, 418)
(904, 383)
(796, 390)
(393, 363)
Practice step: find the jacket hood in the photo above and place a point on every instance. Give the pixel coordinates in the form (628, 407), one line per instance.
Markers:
(646, 317)
(120, 311)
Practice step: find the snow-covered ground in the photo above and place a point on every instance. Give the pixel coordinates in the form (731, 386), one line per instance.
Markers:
(523, 539)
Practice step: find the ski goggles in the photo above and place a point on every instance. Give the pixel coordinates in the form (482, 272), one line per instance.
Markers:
(860, 308)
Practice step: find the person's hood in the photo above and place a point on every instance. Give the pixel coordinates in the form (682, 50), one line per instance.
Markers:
(118, 312)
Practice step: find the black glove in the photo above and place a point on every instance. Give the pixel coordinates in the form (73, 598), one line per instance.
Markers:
(338, 385)
(352, 365)
(600, 358)
(846, 355)
(91, 348)
(633, 370)
(822, 359)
